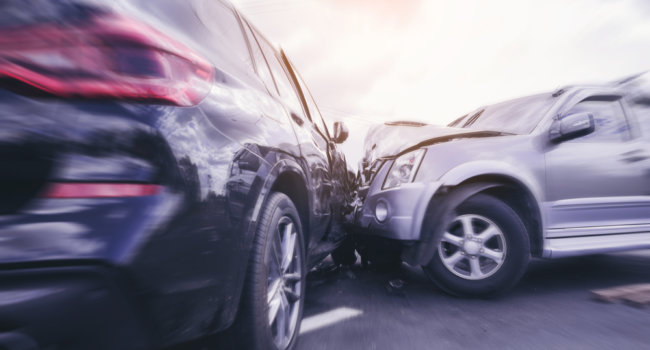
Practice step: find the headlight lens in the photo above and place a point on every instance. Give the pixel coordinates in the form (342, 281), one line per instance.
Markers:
(403, 169)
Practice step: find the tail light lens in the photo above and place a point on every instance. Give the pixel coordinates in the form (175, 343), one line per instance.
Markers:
(100, 190)
(106, 57)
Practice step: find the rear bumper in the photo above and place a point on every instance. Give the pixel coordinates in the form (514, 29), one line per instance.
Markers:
(69, 308)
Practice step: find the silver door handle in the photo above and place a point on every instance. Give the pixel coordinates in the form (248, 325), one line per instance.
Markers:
(636, 155)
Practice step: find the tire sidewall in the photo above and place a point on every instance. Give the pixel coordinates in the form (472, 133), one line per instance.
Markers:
(517, 252)
(255, 308)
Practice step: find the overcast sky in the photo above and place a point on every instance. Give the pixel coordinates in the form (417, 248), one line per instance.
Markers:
(434, 60)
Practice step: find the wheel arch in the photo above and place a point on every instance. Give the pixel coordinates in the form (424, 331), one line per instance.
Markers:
(520, 198)
(282, 173)
(285, 175)
(292, 184)
(516, 191)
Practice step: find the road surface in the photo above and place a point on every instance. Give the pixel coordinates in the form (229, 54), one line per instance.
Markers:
(550, 309)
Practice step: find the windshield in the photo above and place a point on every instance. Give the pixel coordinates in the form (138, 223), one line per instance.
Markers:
(519, 116)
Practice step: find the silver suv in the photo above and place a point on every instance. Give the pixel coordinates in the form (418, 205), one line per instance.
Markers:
(553, 175)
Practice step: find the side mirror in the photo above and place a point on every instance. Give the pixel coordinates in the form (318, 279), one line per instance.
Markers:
(572, 126)
(340, 132)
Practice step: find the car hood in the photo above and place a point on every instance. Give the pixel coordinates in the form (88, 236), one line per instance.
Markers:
(391, 139)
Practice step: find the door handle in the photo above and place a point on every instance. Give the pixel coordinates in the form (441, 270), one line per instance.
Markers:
(634, 159)
(297, 119)
(634, 156)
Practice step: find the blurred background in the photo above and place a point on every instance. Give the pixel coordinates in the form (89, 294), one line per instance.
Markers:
(370, 61)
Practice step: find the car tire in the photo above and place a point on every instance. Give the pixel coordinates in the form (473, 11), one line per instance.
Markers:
(273, 295)
(484, 251)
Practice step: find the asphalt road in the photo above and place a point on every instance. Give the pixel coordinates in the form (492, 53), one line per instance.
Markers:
(550, 309)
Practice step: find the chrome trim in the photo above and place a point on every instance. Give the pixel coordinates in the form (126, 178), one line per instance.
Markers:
(575, 246)
(601, 202)
(573, 232)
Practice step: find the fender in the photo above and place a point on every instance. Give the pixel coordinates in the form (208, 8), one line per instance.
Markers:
(274, 164)
(284, 164)
(440, 213)
(441, 209)
(469, 170)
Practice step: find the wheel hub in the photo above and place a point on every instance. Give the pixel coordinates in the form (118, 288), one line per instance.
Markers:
(471, 247)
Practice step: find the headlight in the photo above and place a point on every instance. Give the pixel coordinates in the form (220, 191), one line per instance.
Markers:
(403, 169)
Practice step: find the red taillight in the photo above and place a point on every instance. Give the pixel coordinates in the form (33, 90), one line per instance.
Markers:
(106, 57)
(100, 190)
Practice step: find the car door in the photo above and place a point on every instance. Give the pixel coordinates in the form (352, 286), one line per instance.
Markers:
(313, 145)
(595, 183)
(341, 187)
(641, 112)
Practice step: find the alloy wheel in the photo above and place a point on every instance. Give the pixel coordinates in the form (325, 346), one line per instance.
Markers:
(473, 247)
(284, 284)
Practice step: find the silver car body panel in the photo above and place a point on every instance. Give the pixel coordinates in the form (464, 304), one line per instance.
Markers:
(596, 231)
(569, 216)
(574, 246)
(406, 205)
(561, 177)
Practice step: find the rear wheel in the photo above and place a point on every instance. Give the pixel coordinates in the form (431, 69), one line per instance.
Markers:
(273, 296)
(484, 251)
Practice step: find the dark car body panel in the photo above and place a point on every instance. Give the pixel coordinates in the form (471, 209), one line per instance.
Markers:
(68, 300)
(183, 252)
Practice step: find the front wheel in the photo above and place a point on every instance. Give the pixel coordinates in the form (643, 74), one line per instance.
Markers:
(484, 251)
(273, 296)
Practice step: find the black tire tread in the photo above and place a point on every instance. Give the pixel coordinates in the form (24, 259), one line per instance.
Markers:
(250, 328)
(509, 275)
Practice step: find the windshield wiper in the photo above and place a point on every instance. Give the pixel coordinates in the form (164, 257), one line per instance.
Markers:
(473, 118)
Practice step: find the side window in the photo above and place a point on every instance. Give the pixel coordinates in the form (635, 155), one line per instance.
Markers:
(611, 125)
(314, 112)
(226, 30)
(287, 92)
(260, 62)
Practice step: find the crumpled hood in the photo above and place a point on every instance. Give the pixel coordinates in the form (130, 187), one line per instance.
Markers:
(390, 139)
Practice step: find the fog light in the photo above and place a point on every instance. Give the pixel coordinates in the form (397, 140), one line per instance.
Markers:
(381, 211)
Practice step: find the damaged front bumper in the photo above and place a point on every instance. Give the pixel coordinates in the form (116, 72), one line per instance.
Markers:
(416, 214)
(395, 213)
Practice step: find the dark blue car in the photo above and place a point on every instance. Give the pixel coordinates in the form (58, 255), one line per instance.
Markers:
(164, 175)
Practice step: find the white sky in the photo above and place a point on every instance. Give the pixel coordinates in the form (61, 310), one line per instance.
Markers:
(434, 60)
